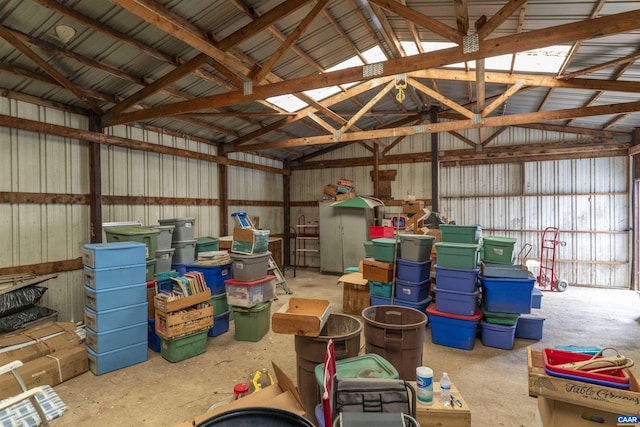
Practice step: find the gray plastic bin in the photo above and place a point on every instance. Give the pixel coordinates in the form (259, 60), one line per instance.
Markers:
(164, 259)
(247, 268)
(165, 236)
(184, 228)
(185, 251)
(416, 247)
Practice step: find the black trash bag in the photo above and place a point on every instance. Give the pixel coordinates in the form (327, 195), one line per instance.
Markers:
(18, 320)
(20, 299)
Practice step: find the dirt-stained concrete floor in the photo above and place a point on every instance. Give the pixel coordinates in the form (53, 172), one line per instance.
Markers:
(492, 381)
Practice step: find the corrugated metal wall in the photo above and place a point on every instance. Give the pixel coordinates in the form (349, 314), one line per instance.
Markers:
(588, 200)
(137, 173)
(37, 233)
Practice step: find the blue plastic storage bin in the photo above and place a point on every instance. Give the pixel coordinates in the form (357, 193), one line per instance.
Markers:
(101, 363)
(115, 254)
(457, 279)
(413, 271)
(180, 267)
(381, 289)
(507, 295)
(108, 299)
(454, 302)
(412, 291)
(113, 339)
(220, 324)
(536, 298)
(420, 305)
(498, 336)
(105, 320)
(529, 327)
(114, 277)
(452, 330)
(378, 300)
(214, 275)
(152, 338)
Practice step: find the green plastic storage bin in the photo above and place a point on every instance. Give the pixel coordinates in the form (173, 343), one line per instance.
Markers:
(457, 255)
(498, 250)
(452, 233)
(380, 289)
(207, 244)
(219, 303)
(385, 249)
(508, 319)
(135, 233)
(365, 366)
(368, 248)
(252, 323)
(184, 347)
(150, 269)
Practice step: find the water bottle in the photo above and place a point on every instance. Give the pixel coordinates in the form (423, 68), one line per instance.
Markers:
(445, 390)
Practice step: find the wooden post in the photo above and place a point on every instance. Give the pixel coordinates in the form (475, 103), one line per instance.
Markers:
(374, 176)
(286, 217)
(635, 212)
(434, 163)
(222, 193)
(95, 183)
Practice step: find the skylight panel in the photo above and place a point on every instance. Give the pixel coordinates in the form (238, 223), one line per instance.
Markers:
(547, 59)
(374, 55)
(288, 102)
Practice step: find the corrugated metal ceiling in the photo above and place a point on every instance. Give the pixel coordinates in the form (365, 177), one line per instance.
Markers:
(132, 53)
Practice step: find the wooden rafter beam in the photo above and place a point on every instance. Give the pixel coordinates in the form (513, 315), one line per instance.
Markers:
(388, 32)
(295, 34)
(521, 15)
(599, 133)
(321, 122)
(368, 106)
(597, 27)
(614, 120)
(620, 61)
(172, 76)
(420, 19)
(497, 121)
(55, 74)
(462, 16)
(498, 18)
(399, 139)
(440, 98)
(493, 136)
(501, 99)
(463, 138)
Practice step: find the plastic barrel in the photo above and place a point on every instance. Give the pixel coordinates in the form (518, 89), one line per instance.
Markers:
(345, 331)
(263, 417)
(396, 333)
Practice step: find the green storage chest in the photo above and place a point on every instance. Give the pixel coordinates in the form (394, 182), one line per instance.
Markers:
(452, 233)
(135, 233)
(385, 249)
(219, 303)
(457, 255)
(182, 348)
(498, 250)
(252, 323)
(207, 244)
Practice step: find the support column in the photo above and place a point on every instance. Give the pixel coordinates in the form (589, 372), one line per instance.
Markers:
(635, 213)
(222, 193)
(95, 183)
(435, 165)
(286, 217)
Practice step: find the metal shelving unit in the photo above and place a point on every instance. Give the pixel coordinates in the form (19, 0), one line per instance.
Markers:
(307, 240)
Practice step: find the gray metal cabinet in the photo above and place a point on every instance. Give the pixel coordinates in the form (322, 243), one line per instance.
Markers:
(342, 233)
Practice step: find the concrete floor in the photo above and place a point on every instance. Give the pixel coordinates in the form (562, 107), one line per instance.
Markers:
(492, 381)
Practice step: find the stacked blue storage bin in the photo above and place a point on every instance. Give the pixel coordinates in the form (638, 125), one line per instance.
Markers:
(413, 273)
(115, 305)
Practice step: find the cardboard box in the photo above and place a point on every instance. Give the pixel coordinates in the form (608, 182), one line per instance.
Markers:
(37, 341)
(355, 295)
(554, 413)
(301, 316)
(47, 370)
(623, 402)
(412, 207)
(151, 308)
(345, 182)
(435, 233)
(164, 305)
(178, 323)
(438, 415)
(282, 395)
(345, 196)
(250, 241)
(377, 271)
(330, 190)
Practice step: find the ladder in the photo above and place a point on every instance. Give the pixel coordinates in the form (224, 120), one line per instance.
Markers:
(243, 220)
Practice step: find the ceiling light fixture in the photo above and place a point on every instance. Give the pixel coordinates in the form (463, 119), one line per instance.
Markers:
(65, 33)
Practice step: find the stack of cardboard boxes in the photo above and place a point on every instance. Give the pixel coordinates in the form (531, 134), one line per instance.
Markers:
(343, 190)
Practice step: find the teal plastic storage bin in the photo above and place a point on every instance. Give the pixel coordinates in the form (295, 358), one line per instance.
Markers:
(366, 366)
(381, 289)
(498, 250)
(451, 233)
(207, 244)
(457, 255)
(385, 249)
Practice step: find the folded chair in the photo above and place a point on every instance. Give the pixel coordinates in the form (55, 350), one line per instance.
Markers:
(395, 398)
(30, 408)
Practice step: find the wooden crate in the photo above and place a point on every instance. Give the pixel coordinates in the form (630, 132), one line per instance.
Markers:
(594, 396)
(377, 271)
(301, 316)
(167, 306)
(438, 415)
(178, 323)
(355, 295)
